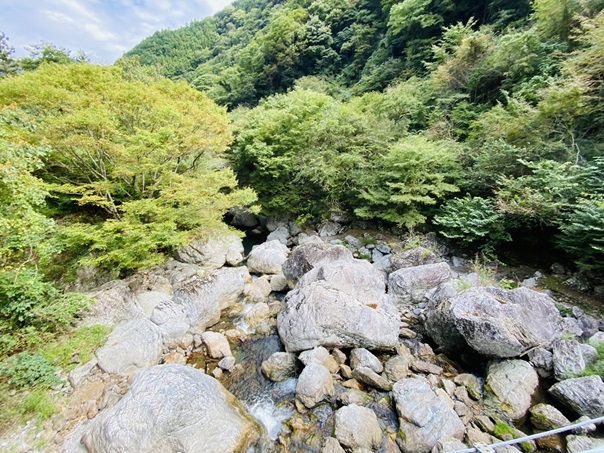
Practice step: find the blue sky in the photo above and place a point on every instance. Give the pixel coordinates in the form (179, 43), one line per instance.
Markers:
(103, 29)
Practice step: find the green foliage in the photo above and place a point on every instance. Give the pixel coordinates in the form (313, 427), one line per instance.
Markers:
(144, 150)
(414, 173)
(8, 65)
(80, 343)
(28, 369)
(473, 221)
(46, 52)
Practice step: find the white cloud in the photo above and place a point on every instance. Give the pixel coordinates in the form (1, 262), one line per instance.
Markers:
(104, 29)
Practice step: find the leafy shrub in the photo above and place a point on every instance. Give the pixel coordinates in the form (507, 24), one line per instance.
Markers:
(473, 221)
(28, 369)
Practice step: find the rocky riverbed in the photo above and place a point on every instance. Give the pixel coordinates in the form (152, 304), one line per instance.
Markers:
(326, 341)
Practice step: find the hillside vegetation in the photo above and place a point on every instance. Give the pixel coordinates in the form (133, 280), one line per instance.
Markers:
(481, 118)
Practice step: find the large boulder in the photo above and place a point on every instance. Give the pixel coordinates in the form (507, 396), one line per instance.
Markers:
(510, 386)
(584, 395)
(408, 286)
(569, 360)
(173, 408)
(197, 301)
(410, 258)
(280, 366)
(131, 346)
(267, 258)
(424, 417)
(310, 255)
(212, 253)
(114, 303)
(494, 322)
(339, 304)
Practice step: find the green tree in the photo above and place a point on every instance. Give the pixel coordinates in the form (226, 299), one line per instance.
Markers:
(8, 65)
(144, 154)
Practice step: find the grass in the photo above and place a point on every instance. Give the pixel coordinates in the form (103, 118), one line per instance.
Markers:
(25, 389)
(596, 368)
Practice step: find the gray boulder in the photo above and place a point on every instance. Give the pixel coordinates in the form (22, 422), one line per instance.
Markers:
(339, 304)
(369, 377)
(213, 252)
(173, 408)
(131, 346)
(584, 395)
(494, 322)
(280, 366)
(329, 229)
(267, 258)
(197, 302)
(314, 385)
(408, 286)
(310, 255)
(243, 218)
(113, 304)
(424, 418)
(410, 258)
(568, 360)
(510, 386)
(358, 427)
(582, 444)
(148, 300)
(281, 234)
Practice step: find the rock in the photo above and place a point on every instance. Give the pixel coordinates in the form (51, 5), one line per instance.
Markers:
(321, 356)
(339, 304)
(407, 333)
(589, 325)
(546, 417)
(424, 418)
(275, 221)
(314, 385)
(354, 396)
(584, 395)
(362, 357)
(369, 377)
(197, 302)
(329, 229)
(567, 359)
(596, 339)
(280, 366)
(243, 219)
(267, 258)
(332, 445)
(583, 444)
(425, 367)
(175, 358)
(212, 253)
(173, 408)
(134, 345)
(396, 368)
(113, 304)
(470, 382)
(411, 258)
(258, 290)
(495, 322)
(511, 385)
(339, 356)
(78, 374)
(217, 344)
(259, 313)
(227, 363)
(281, 234)
(310, 255)
(358, 427)
(408, 286)
(345, 371)
(278, 283)
(448, 444)
(542, 360)
(148, 300)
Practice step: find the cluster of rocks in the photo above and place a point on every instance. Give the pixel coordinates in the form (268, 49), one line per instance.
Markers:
(355, 334)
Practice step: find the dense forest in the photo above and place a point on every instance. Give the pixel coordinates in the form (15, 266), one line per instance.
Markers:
(481, 120)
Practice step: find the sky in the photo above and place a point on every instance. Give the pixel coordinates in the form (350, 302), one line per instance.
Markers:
(103, 29)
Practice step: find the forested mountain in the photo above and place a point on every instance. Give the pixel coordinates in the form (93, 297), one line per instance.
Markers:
(259, 47)
(483, 118)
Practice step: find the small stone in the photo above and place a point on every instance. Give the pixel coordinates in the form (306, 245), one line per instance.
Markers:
(278, 283)
(586, 429)
(361, 357)
(424, 367)
(345, 371)
(280, 366)
(314, 385)
(460, 408)
(339, 356)
(396, 368)
(357, 427)
(445, 397)
(332, 445)
(471, 383)
(407, 333)
(546, 417)
(352, 384)
(217, 344)
(371, 378)
(449, 386)
(217, 373)
(175, 358)
(321, 356)
(354, 396)
(227, 363)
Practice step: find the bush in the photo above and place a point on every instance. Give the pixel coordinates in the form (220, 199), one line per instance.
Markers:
(472, 221)
(28, 369)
